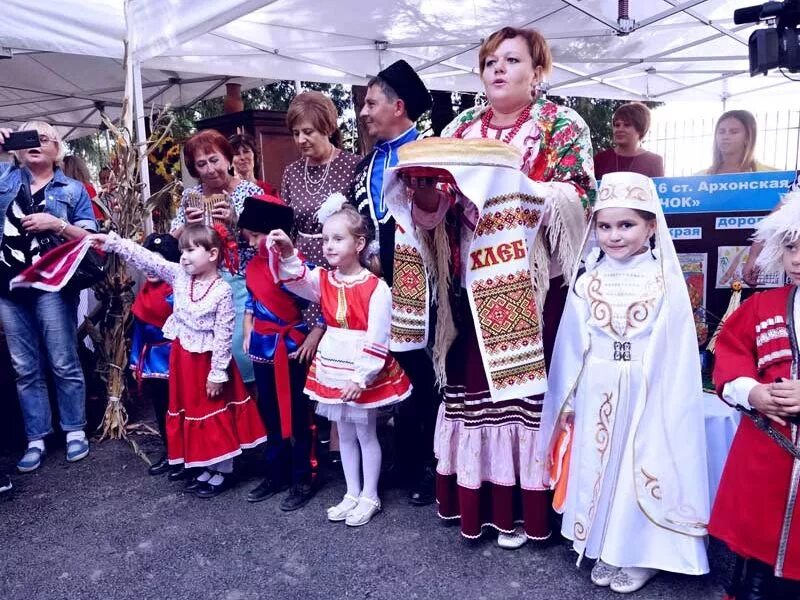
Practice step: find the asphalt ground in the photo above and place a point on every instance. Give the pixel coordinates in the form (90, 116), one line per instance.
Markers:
(103, 528)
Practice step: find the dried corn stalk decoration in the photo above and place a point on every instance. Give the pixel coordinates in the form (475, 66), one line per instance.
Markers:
(115, 291)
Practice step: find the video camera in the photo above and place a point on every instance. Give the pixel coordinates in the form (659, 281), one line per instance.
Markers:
(773, 47)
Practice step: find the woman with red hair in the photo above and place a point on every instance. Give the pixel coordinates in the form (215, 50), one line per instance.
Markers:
(209, 158)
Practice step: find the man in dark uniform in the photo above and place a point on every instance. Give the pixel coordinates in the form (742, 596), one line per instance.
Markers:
(395, 99)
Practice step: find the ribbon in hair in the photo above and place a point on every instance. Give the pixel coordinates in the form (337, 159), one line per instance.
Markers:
(330, 206)
(230, 248)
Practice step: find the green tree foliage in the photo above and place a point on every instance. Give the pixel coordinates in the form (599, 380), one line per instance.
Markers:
(93, 149)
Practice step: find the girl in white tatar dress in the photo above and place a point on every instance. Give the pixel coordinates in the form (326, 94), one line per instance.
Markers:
(624, 399)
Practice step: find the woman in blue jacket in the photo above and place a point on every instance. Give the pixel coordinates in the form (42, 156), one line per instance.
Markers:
(40, 327)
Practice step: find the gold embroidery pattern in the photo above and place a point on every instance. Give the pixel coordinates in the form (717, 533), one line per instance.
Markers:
(629, 192)
(637, 313)
(602, 438)
(579, 531)
(599, 307)
(341, 308)
(651, 484)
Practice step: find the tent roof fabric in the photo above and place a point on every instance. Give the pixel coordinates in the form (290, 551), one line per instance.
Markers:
(68, 55)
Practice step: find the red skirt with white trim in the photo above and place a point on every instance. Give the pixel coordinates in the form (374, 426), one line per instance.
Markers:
(334, 366)
(202, 431)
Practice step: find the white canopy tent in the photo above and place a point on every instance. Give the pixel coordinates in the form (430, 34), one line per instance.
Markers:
(67, 56)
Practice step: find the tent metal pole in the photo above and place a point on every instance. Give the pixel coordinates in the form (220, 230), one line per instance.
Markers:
(79, 123)
(280, 54)
(472, 45)
(676, 8)
(709, 23)
(207, 92)
(597, 17)
(698, 84)
(658, 55)
(44, 113)
(92, 97)
(141, 139)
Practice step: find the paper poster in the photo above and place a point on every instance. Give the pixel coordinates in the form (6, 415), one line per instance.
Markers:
(730, 264)
(694, 266)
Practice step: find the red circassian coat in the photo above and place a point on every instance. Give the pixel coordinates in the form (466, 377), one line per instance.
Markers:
(753, 495)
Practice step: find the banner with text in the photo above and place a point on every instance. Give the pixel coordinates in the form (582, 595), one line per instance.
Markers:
(733, 192)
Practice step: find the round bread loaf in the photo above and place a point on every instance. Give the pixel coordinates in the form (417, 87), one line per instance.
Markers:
(455, 151)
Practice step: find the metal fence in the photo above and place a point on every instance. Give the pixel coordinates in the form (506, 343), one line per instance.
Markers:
(686, 144)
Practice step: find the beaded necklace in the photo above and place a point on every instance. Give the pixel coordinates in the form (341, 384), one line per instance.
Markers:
(486, 120)
(208, 289)
(319, 183)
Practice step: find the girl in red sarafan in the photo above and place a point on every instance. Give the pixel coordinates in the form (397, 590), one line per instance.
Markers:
(211, 416)
(353, 373)
(757, 508)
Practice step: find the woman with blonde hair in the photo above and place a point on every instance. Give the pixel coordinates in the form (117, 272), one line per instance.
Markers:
(734, 145)
(37, 199)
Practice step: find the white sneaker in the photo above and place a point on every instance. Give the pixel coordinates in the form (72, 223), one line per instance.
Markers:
(603, 573)
(512, 541)
(631, 579)
(363, 513)
(340, 511)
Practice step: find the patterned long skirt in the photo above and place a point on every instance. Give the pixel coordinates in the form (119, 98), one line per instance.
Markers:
(486, 472)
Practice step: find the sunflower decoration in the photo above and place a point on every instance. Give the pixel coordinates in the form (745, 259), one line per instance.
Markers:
(165, 160)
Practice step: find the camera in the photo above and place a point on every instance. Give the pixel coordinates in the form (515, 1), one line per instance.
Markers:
(774, 47)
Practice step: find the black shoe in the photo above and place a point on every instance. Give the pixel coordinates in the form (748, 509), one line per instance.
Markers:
(209, 490)
(424, 491)
(178, 473)
(193, 484)
(266, 489)
(160, 467)
(297, 497)
(5, 483)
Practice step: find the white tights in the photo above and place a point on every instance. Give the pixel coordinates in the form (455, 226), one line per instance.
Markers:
(366, 435)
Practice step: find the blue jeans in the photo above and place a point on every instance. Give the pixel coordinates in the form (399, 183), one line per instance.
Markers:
(30, 321)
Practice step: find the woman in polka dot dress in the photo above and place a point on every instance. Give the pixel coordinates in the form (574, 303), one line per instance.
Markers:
(321, 170)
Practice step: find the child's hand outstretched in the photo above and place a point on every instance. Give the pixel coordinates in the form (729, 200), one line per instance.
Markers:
(213, 389)
(282, 241)
(351, 392)
(98, 240)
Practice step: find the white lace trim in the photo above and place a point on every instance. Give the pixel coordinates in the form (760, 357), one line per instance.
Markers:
(209, 415)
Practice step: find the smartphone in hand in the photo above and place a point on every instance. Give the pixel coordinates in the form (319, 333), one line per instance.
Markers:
(22, 140)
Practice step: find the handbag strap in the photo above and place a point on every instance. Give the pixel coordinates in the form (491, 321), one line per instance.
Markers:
(26, 197)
